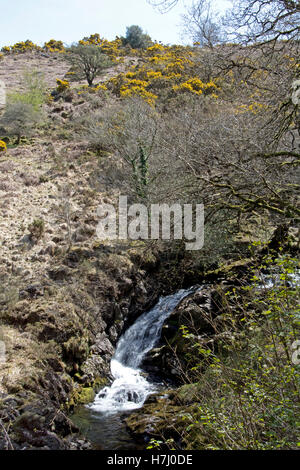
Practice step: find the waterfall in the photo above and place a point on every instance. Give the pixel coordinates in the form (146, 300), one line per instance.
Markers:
(130, 387)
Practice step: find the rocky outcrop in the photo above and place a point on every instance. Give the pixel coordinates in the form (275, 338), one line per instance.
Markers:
(77, 316)
(196, 314)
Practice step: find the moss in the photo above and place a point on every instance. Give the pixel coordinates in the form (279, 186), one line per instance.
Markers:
(231, 268)
(100, 382)
(86, 395)
(187, 393)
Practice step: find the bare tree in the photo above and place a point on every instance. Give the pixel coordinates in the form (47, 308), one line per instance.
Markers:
(202, 24)
(232, 163)
(130, 132)
(163, 5)
(258, 21)
(252, 21)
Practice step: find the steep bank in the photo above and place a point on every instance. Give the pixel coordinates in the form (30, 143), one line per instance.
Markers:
(231, 351)
(66, 297)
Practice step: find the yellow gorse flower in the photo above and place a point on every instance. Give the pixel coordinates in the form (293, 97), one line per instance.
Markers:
(3, 146)
(62, 85)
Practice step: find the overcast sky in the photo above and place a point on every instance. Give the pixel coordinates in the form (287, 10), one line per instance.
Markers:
(71, 20)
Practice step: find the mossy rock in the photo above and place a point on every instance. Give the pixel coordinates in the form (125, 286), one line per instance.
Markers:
(231, 270)
(187, 394)
(86, 395)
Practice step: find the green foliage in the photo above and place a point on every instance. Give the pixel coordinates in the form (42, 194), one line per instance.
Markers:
(246, 384)
(136, 38)
(19, 119)
(35, 91)
(87, 61)
(24, 109)
(36, 229)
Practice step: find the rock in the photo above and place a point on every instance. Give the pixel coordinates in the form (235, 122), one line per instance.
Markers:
(195, 313)
(51, 249)
(113, 335)
(60, 273)
(32, 292)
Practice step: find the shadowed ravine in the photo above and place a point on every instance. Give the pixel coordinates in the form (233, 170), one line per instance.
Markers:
(101, 421)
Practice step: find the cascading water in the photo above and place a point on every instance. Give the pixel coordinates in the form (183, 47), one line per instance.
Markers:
(102, 421)
(130, 388)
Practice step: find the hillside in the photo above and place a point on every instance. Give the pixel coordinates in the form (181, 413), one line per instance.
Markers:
(163, 124)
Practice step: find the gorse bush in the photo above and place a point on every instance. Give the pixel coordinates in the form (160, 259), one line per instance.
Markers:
(62, 85)
(28, 46)
(164, 73)
(21, 47)
(113, 49)
(3, 146)
(54, 46)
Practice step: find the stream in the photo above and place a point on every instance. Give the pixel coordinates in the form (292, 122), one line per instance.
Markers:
(102, 421)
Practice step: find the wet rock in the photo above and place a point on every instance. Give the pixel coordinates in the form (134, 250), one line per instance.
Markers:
(113, 335)
(195, 313)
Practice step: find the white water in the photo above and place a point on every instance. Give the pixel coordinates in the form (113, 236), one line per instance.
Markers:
(130, 388)
(275, 280)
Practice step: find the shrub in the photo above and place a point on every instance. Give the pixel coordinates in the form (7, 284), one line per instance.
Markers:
(62, 85)
(3, 146)
(87, 61)
(35, 90)
(136, 38)
(24, 46)
(54, 46)
(36, 229)
(245, 381)
(5, 49)
(24, 110)
(19, 119)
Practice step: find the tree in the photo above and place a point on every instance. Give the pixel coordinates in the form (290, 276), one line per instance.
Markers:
(163, 5)
(202, 24)
(251, 21)
(87, 61)
(130, 132)
(25, 109)
(136, 38)
(227, 161)
(258, 21)
(19, 119)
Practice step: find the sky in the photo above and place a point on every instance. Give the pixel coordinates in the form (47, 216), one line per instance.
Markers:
(71, 20)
